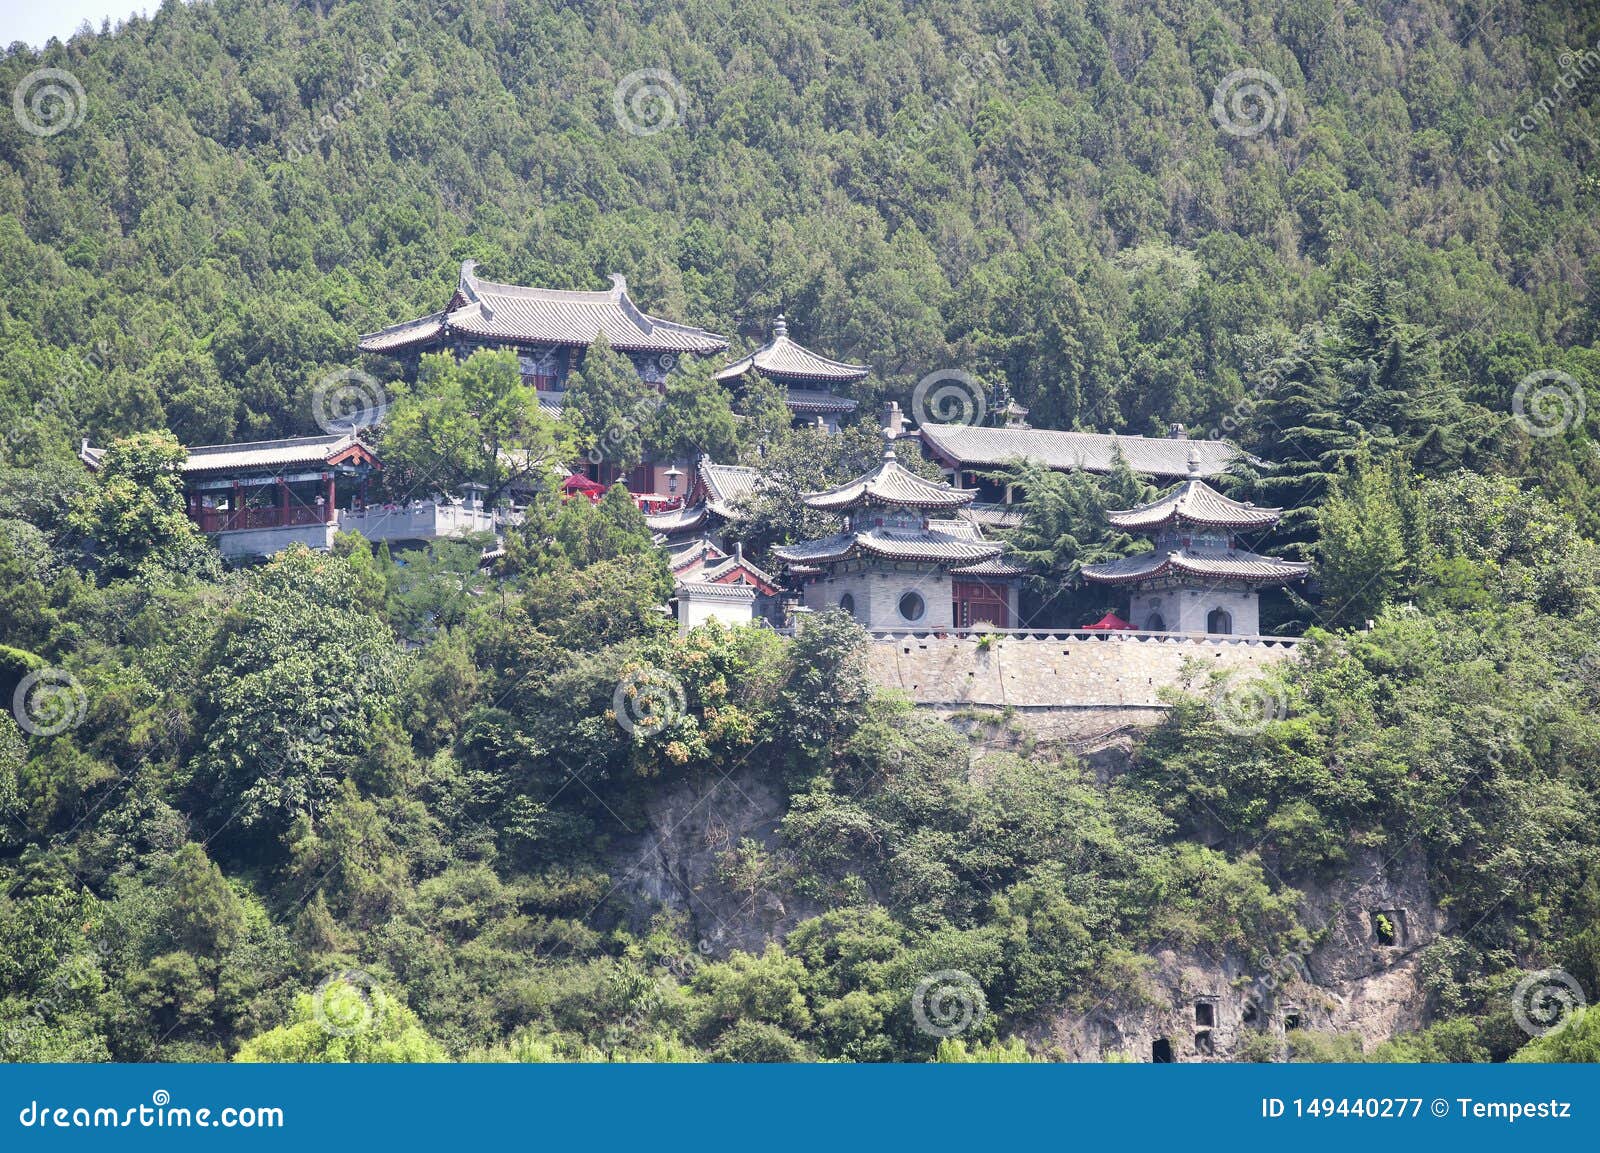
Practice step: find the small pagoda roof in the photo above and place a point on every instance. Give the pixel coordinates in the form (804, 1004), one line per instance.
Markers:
(890, 484)
(488, 310)
(1194, 502)
(1207, 564)
(970, 447)
(924, 546)
(970, 530)
(784, 360)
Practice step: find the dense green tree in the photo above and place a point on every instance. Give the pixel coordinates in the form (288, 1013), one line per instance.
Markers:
(610, 408)
(345, 1022)
(298, 680)
(1363, 555)
(469, 422)
(695, 419)
(1576, 1040)
(135, 513)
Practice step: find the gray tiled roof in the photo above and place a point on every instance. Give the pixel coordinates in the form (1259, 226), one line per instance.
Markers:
(405, 333)
(725, 484)
(994, 515)
(511, 312)
(891, 483)
(710, 590)
(267, 454)
(677, 520)
(782, 358)
(698, 552)
(716, 570)
(1196, 502)
(1214, 564)
(926, 545)
(998, 567)
(1090, 451)
(966, 529)
(811, 400)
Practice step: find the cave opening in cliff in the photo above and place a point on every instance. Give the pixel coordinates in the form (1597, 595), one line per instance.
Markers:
(1250, 1015)
(1161, 1051)
(1203, 1044)
(1291, 1019)
(1389, 926)
(1205, 1014)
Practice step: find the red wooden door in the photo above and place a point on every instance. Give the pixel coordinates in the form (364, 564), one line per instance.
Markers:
(978, 603)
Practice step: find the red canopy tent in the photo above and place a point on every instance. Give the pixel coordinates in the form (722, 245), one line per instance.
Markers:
(578, 483)
(1109, 621)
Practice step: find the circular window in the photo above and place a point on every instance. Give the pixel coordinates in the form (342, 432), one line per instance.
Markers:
(848, 604)
(911, 607)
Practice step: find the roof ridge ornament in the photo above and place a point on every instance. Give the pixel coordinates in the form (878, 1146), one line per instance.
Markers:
(780, 327)
(1194, 460)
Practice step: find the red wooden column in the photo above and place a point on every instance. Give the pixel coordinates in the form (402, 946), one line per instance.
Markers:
(327, 509)
(283, 501)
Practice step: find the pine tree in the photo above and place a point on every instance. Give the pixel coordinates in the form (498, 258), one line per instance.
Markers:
(610, 406)
(1300, 426)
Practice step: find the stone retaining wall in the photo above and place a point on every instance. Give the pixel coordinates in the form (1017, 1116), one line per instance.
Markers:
(1118, 673)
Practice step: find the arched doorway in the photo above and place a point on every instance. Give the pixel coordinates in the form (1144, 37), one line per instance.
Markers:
(1155, 623)
(1219, 621)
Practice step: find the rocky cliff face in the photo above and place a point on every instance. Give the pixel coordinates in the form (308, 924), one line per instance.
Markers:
(687, 860)
(1370, 923)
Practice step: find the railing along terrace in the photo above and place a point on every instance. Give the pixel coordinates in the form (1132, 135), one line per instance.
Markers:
(226, 520)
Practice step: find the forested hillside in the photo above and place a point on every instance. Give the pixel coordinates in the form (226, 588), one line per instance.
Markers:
(1380, 272)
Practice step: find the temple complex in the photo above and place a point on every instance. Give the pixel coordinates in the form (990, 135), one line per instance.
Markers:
(894, 566)
(549, 328)
(807, 378)
(1196, 579)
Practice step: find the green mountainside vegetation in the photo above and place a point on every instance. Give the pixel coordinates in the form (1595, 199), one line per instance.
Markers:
(355, 806)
